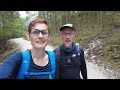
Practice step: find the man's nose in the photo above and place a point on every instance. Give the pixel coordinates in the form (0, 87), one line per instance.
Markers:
(40, 34)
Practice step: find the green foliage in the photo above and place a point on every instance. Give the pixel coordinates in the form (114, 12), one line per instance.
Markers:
(109, 56)
(79, 37)
(108, 48)
(4, 36)
(25, 35)
(115, 42)
(10, 25)
(55, 40)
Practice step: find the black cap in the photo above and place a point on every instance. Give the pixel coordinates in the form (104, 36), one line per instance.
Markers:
(67, 25)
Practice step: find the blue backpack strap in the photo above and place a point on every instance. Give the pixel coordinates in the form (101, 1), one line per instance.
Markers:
(79, 49)
(53, 64)
(24, 65)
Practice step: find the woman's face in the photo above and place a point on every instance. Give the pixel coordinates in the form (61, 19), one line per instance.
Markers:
(39, 36)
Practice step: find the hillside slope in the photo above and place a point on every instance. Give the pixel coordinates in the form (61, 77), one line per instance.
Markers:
(104, 48)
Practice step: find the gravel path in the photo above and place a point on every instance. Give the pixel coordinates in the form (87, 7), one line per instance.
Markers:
(25, 44)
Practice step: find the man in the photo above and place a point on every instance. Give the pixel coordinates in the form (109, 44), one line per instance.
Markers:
(70, 56)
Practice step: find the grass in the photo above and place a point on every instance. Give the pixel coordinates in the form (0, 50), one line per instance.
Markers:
(12, 48)
(115, 64)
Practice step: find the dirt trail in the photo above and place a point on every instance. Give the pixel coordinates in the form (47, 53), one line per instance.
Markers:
(25, 44)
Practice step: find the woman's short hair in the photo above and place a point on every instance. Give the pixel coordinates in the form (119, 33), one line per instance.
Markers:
(36, 21)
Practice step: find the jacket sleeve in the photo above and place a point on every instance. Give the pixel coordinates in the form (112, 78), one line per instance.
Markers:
(83, 65)
(9, 68)
(57, 67)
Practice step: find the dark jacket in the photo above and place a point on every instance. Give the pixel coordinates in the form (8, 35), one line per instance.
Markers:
(71, 62)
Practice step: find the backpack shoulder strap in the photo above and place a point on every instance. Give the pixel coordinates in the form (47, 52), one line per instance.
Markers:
(57, 51)
(24, 65)
(52, 61)
(78, 48)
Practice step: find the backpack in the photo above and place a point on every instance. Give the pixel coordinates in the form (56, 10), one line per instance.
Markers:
(25, 65)
(78, 49)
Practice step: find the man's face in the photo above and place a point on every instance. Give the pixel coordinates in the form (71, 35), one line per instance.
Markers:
(68, 36)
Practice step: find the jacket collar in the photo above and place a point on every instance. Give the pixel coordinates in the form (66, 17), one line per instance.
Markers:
(68, 49)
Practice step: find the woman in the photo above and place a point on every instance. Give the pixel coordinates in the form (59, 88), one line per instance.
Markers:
(35, 63)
